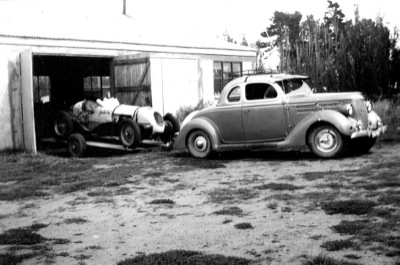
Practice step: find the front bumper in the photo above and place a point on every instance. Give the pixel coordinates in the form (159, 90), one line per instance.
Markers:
(369, 132)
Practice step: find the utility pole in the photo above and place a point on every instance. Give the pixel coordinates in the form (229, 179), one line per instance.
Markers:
(124, 8)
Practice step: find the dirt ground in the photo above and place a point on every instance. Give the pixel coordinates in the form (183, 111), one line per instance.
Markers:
(105, 226)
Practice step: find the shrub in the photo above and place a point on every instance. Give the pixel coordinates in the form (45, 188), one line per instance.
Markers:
(184, 111)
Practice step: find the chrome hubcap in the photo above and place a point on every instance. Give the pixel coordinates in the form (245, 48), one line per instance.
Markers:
(200, 143)
(326, 141)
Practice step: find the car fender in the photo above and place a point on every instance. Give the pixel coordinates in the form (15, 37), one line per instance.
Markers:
(200, 123)
(298, 135)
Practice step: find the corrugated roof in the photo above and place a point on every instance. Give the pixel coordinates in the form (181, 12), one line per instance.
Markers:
(52, 20)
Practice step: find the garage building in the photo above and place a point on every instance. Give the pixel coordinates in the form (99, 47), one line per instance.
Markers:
(42, 71)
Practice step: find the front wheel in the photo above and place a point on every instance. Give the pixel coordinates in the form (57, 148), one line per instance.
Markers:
(63, 125)
(76, 145)
(326, 141)
(199, 144)
(129, 134)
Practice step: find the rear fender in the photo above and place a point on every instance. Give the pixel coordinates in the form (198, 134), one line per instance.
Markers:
(297, 137)
(203, 124)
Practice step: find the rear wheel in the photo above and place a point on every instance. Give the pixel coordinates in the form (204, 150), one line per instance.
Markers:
(129, 134)
(76, 145)
(326, 141)
(63, 125)
(171, 127)
(199, 144)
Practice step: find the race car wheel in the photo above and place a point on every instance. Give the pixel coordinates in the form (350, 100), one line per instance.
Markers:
(129, 134)
(199, 144)
(325, 141)
(361, 145)
(76, 145)
(171, 127)
(63, 125)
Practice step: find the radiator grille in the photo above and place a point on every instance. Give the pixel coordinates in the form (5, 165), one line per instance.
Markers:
(360, 112)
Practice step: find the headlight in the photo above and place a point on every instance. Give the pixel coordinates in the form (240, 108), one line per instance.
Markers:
(346, 110)
(349, 109)
(368, 105)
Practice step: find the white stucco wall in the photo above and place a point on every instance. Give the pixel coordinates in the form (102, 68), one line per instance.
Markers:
(10, 100)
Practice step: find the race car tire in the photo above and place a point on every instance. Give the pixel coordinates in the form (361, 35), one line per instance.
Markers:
(63, 125)
(129, 134)
(76, 145)
(171, 127)
(199, 144)
(325, 141)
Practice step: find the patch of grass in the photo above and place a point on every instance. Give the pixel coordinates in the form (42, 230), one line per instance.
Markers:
(312, 176)
(183, 257)
(337, 245)
(78, 200)
(236, 211)
(153, 174)
(103, 200)
(162, 201)
(351, 227)
(282, 197)
(123, 191)
(278, 186)
(76, 220)
(100, 193)
(13, 259)
(227, 194)
(189, 163)
(352, 256)
(243, 226)
(227, 221)
(322, 259)
(356, 207)
(389, 199)
(20, 236)
(37, 226)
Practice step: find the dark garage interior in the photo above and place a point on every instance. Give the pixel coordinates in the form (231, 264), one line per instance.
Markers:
(61, 81)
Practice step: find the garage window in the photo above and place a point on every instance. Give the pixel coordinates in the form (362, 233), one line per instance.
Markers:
(41, 89)
(96, 87)
(224, 72)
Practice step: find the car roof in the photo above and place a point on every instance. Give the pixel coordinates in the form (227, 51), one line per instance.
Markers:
(271, 78)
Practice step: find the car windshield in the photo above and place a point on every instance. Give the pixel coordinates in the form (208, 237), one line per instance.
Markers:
(293, 87)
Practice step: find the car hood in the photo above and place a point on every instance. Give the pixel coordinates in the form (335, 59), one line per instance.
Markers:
(324, 97)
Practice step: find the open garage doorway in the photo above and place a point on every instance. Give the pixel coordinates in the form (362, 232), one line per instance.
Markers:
(60, 81)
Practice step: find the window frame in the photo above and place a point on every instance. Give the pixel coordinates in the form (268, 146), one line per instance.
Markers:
(96, 86)
(231, 75)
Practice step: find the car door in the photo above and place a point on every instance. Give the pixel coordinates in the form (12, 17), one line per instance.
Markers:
(228, 117)
(263, 113)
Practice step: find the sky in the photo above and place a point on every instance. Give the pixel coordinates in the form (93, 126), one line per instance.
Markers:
(196, 19)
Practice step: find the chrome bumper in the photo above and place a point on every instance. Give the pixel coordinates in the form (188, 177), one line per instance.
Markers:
(369, 132)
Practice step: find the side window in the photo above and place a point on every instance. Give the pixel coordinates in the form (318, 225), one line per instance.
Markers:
(234, 95)
(260, 91)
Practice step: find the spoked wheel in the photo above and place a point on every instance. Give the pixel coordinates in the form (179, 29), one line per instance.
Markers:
(171, 127)
(199, 144)
(326, 141)
(129, 134)
(76, 145)
(63, 125)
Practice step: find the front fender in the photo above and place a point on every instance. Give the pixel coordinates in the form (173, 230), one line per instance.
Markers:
(298, 135)
(201, 123)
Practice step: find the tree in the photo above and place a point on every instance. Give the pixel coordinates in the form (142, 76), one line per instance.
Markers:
(124, 7)
(244, 42)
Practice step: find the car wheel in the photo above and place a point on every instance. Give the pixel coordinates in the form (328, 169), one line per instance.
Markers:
(171, 127)
(325, 141)
(129, 134)
(76, 145)
(63, 125)
(361, 145)
(199, 144)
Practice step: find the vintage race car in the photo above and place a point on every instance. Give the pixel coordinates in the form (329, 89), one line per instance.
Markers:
(109, 118)
(280, 111)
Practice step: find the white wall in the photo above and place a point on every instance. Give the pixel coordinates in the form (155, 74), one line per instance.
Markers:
(10, 100)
